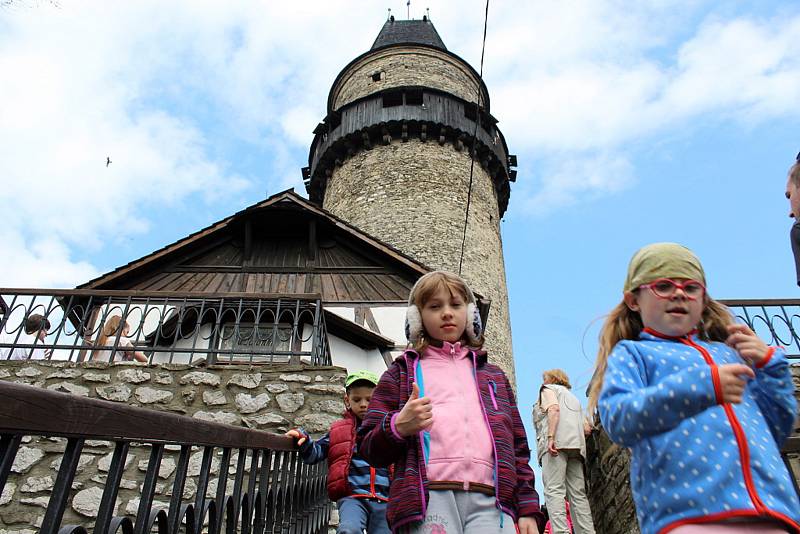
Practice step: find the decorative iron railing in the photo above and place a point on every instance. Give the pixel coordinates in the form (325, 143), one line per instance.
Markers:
(162, 327)
(776, 321)
(272, 490)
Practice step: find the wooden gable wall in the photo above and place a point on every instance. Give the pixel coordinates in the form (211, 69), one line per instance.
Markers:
(279, 250)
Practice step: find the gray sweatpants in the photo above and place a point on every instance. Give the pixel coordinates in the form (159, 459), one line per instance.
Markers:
(462, 512)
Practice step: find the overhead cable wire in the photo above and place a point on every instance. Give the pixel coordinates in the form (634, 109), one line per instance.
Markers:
(479, 105)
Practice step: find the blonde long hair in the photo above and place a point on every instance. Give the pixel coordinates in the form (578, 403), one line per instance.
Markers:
(113, 325)
(624, 323)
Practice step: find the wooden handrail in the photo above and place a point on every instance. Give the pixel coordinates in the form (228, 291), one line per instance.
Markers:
(36, 411)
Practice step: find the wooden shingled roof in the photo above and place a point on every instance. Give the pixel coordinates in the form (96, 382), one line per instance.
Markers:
(284, 244)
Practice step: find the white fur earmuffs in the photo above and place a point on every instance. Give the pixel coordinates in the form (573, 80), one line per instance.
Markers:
(413, 327)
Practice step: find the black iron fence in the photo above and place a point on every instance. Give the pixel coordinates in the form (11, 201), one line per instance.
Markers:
(272, 490)
(776, 321)
(162, 327)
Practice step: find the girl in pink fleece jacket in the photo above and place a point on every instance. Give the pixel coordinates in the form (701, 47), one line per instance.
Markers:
(449, 420)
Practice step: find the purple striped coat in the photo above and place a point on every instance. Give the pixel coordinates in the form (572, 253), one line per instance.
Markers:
(408, 494)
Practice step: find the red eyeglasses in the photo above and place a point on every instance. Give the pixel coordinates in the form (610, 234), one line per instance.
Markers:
(665, 288)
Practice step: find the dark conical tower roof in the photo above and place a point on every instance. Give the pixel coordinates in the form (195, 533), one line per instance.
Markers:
(408, 32)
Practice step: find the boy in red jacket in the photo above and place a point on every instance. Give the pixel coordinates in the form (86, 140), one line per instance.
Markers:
(360, 490)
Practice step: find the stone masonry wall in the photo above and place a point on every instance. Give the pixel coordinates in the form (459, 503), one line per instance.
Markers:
(406, 66)
(273, 399)
(412, 195)
(608, 469)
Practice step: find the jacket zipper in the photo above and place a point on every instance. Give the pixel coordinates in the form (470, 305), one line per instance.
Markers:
(492, 393)
(410, 370)
(491, 435)
(741, 440)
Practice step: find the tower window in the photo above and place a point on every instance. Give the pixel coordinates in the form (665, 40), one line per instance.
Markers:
(376, 76)
(333, 120)
(414, 98)
(471, 111)
(393, 98)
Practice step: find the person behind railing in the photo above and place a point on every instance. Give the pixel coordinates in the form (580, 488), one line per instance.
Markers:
(561, 448)
(36, 327)
(125, 349)
(449, 421)
(703, 404)
(793, 195)
(360, 490)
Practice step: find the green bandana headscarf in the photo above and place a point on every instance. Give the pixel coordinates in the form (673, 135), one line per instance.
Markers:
(663, 260)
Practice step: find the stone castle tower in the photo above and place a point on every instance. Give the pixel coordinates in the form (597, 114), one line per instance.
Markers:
(392, 157)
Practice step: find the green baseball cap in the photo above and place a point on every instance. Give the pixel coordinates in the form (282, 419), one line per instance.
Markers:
(369, 376)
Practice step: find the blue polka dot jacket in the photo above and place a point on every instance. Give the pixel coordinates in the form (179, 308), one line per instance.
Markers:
(695, 459)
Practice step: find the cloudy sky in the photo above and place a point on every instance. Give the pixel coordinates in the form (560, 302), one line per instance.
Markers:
(633, 122)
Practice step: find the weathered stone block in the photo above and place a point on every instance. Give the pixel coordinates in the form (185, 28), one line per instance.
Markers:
(264, 420)
(227, 418)
(199, 377)
(324, 388)
(163, 378)
(295, 378)
(316, 422)
(133, 376)
(114, 392)
(36, 484)
(290, 402)
(277, 388)
(83, 461)
(66, 373)
(133, 505)
(41, 502)
(248, 381)
(329, 405)
(8, 493)
(214, 398)
(166, 468)
(26, 458)
(104, 464)
(68, 387)
(250, 404)
(147, 395)
(28, 372)
(87, 501)
(196, 462)
(97, 377)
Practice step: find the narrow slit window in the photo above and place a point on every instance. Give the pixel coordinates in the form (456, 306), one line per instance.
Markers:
(394, 98)
(471, 111)
(414, 98)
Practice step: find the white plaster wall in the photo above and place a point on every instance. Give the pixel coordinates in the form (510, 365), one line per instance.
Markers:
(391, 320)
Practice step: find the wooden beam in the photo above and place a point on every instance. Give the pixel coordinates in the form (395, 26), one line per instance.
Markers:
(350, 269)
(359, 315)
(371, 322)
(312, 241)
(248, 239)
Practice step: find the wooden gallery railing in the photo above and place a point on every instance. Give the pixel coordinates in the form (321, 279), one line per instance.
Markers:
(275, 493)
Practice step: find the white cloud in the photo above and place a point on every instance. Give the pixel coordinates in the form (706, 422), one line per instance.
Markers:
(40, 262)
(159, 87)
(603, 81)
(567, 181)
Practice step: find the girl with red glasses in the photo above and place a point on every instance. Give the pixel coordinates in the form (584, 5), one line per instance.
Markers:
(703, 404)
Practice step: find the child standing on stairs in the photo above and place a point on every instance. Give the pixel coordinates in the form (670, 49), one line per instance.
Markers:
(449, 422)
(703, 404)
